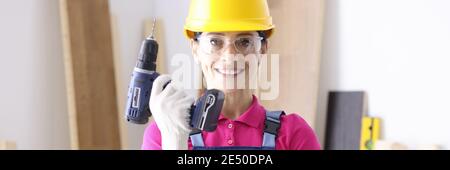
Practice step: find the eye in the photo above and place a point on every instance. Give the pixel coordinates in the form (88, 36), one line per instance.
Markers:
(216, 42)
(243, 42)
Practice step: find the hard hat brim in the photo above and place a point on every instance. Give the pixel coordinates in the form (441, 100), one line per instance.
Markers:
(224, 26)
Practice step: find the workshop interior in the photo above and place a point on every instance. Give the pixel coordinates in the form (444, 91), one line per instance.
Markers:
(364, 74)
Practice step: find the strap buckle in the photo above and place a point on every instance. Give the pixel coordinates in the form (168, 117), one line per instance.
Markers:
(271, 125)
(195, 131)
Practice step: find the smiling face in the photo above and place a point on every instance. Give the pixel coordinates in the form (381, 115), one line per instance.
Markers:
(229, 60)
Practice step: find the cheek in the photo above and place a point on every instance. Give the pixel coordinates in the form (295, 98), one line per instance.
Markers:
(206, 63)
(252, 62)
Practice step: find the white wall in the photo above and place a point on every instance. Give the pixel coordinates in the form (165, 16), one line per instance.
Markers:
(398, 51)
(32, 89)
(130, 17)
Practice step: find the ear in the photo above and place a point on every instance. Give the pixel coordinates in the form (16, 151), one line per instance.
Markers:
(194, 48)
(264, 47)
(264, 50)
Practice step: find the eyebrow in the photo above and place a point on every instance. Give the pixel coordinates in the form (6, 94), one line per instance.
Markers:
(214, 33)
(247, 33)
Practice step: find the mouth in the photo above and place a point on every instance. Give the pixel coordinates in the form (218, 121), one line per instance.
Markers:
(229, 72)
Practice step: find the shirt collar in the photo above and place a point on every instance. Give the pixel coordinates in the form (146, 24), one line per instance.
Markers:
(254, 116)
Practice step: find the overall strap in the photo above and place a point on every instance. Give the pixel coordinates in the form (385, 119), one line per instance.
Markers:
(271, 126)
(196, 138)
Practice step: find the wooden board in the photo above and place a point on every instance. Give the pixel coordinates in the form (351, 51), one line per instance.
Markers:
(88, 59)
(298, 40)
(8, 145)
(121, 89)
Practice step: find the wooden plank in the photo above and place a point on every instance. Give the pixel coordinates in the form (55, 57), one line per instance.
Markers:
(121, 89)
(88, 59)
(298, 41)
(8, 145)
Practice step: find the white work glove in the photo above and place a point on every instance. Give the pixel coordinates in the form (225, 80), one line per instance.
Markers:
(170, 109)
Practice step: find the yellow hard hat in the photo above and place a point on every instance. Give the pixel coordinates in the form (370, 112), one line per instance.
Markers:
(227, 16)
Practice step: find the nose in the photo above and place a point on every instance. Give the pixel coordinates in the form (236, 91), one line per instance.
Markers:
(229, 52)
(229, 48)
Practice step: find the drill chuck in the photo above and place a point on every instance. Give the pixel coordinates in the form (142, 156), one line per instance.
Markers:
(147, 55)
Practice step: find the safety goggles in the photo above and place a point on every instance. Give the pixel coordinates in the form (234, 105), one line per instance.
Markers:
(216, 44)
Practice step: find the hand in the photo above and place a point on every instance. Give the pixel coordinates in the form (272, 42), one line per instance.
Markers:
(170, 109)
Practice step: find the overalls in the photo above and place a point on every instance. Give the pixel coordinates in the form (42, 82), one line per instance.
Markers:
(271, 126)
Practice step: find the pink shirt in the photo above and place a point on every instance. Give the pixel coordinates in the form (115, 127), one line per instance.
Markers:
(247, 130)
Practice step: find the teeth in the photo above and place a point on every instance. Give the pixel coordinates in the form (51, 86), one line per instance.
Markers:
(229, 72)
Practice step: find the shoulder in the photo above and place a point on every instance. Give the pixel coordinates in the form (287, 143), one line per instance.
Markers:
(152, 138)
(294, 123)
(293, 118)
(152, 129)
(297, 134)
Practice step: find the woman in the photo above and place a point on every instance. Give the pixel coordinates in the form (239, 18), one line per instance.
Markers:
(222, 34)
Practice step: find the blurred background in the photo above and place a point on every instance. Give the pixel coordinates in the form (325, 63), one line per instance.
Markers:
(358, 71)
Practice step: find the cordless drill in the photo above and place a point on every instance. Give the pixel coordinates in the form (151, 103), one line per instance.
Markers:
(204, 114)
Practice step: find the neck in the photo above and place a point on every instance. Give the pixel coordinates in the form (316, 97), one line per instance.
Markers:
(236, 103)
